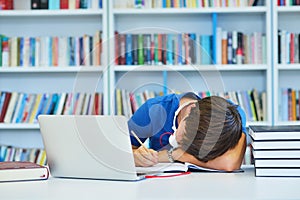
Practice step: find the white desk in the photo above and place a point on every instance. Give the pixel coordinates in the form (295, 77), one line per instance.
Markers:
(194, 186)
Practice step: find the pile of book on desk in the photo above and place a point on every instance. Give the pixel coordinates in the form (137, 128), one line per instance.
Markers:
(276, 150)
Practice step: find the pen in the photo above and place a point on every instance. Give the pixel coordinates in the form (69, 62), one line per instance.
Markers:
(138, 139)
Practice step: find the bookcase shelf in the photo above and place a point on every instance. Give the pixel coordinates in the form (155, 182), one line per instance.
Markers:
(179, 11)
(49, 13)
(146, 68)
(286, 67)
(48, 79)
(288, 123)
(289, 9)
(232, 77)
(50, 69)
(20, 126)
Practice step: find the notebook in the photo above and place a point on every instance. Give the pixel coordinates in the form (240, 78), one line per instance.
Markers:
(89, 147)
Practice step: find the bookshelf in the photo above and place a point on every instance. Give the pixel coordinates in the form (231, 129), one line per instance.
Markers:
(286, 68)
(48, 78)
(192, 77)
(134, 78)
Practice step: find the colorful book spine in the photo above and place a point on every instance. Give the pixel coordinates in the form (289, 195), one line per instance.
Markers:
(140, 50)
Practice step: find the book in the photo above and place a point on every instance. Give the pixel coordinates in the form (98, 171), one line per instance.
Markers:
(269, 153)
(269, 162)
(5, 105)
(22, 171)
(177, 167)
(275, 132)
(293, 144)
(282, 172)
(11, 107)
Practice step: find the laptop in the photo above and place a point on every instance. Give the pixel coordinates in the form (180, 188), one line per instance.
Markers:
(88, 146)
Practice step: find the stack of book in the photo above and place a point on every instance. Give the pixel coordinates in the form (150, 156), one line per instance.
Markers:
(276, 150)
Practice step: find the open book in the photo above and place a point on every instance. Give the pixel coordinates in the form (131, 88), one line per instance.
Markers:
(177, 167)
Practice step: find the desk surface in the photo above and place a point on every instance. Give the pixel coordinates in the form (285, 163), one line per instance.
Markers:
(193, 186)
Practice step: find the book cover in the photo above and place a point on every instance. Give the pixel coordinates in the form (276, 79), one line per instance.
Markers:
(275, 132)
(128, 49)
(229, 47)
(140, 50)
(276, 153)
(283, 144)
(122, 49)
(64, 4)
(22, 171)
(60, 105)
(206, 49)
(44, 4)
(271, 162)
(35, 4)
(53, 4)
(91, 104)
(257, 105)
(234, 46)
(277, 172)
(5, 105)
(5, 51)
(135, 49)
(11, 107)
(224, 44)
(35, 108)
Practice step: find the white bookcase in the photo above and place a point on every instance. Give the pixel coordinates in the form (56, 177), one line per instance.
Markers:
(196, 78)
(286, 75)
(107, 77)
(49, 79)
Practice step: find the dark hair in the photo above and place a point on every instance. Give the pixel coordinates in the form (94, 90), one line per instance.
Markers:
(190, 95)
(212, 127)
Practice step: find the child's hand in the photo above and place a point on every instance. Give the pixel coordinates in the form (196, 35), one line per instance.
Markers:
(145, 157)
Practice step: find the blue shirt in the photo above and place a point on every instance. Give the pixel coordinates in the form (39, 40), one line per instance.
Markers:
(154, 120)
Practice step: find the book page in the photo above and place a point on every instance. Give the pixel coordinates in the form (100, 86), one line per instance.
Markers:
(163, 167)
(178, 167)
(196, 168)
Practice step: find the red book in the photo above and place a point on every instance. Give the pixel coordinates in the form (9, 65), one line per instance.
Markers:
(77, 4)
(292, 48)
(117, 53)
(55, 50)
(122, 50)
(64, 4)
(186, 47)
(5, 106)
(22, 171)
(159, 48)
(2, 4)
(96, 105)
(9, 5)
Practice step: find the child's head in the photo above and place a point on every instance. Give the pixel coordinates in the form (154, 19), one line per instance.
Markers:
(212, 127)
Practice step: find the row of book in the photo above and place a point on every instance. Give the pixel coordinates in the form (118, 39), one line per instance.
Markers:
(55, 51)
(276, 150)
(289, 108)
(251, 101)
(288, 2)
(288, 47)
(232, 47)
(16, 107)
(183, 3)
(49, 4)
(12, 153)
